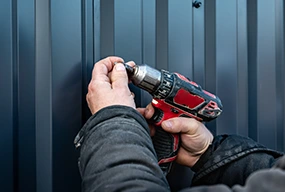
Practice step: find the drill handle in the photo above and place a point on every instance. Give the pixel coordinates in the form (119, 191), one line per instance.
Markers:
(165, 144)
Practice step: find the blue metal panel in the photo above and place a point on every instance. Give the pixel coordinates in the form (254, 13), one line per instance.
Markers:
(128, 30)
(106, 28)
(226, 64)
(96, 22)
(252, 63)
(66, 91)
(161, 34)
(199, 45)
(7, 96)
(43, 97)
(266, 66)
(242, 69)
(90, 47)
(180, 37)
(148, 33)
(280, 73)
(210, 52)
(26, 97)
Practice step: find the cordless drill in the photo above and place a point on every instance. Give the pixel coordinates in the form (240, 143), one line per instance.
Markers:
(173, 96)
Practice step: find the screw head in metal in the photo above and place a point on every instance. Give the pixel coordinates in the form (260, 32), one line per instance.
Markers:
(197, 4)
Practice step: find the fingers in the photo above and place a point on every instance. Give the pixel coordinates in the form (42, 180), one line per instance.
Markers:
(181, 125)
(131, 63)
(103, 67)
(146, 112)
(119, 77)
(141, 110)
(149, 111)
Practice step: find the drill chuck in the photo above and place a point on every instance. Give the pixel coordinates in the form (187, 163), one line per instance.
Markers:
(145, 77)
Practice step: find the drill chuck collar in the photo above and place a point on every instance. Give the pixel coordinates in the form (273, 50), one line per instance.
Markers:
(157, 83)
(146, 78)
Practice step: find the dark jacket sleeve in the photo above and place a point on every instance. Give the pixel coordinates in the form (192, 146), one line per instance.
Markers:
(231, 159)
(117, 153)
(263, 180)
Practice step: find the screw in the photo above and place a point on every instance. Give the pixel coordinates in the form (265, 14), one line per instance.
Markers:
(197, 4)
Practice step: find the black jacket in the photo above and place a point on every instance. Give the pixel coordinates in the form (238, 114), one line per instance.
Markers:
(117, 155)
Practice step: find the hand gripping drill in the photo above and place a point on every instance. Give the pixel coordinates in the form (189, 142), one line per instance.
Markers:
(173, 96)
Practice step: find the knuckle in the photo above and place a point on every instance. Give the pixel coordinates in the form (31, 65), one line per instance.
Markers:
(88, 98)
(195, 124)
(91, 86)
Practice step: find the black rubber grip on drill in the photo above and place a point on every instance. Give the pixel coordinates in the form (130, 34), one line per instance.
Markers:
(164, 146)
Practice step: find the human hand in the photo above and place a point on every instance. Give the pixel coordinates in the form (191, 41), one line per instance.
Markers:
(195, 137)
(109, 85)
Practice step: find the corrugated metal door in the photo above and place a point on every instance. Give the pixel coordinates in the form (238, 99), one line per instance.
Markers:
(233, 48)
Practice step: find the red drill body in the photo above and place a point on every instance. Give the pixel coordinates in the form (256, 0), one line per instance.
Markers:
(173, 96)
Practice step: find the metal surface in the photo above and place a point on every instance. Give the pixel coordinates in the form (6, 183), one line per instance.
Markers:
(66, 51)
(43, 99)
(233, 48)
(8, 96)
(41, 94)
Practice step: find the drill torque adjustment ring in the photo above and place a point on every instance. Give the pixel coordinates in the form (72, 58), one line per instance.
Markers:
(165, 85)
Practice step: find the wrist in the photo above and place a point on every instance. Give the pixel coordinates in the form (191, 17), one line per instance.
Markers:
(195, 156)
(193, 160)
(217, 140)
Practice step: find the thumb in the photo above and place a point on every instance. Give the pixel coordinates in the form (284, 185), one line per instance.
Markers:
(119, 77)
(180, 125)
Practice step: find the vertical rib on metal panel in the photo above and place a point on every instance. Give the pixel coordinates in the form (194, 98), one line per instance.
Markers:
(226, 63)
(88, 52)
(162, 34)
(283, 70)
(266, 71)
(180, 37)
(210, 52)
(43, 97)
(15, 45)
(26, 99)
(96, 15)
(107, 28)
(199, 45)
(242, 69)
(66, 91)
(148, 40)
(252, 66)
(280, 72)
(7, 95)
